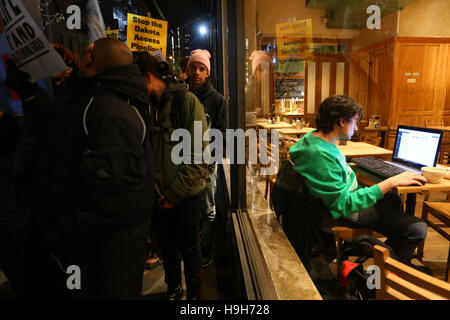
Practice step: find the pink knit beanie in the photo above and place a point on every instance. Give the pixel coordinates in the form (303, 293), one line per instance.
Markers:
(257, 57)
(201, 56)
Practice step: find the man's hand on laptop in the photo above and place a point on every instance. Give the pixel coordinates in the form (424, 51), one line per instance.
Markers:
(401, 180)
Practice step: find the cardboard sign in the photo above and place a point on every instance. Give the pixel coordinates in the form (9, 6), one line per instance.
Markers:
(294, 38)
(112, 34)
(146, 34)
(29, 47)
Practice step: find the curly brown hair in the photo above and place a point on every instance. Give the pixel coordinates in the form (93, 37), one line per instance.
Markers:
(334, 108)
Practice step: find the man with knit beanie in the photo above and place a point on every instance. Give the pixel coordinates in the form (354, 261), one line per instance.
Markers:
(216, 109)
(253, 88)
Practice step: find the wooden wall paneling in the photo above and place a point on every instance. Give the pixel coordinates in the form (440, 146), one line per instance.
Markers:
(347, 77)
(393, 105)
(441, 81)
(332, 77)
(419, 83)
(446, 114)
(318, 84)
(380, 84)
(359, 81)
(305, 98)
(319, 61)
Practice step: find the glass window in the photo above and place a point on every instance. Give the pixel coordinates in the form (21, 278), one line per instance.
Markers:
(392, 57)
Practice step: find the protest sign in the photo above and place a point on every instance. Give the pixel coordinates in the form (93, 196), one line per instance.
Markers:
(112, 34)
(295, 38)
(146, 34)
(28, 46)
(94, 19)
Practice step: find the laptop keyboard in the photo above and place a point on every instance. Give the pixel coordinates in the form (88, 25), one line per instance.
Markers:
(378, 167)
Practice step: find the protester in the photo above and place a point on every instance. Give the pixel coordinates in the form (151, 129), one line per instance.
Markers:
(253, 102)
(179, 187)
(330, 178)
(183, 69)
(216, 108)
(95, 162)
(22, 134)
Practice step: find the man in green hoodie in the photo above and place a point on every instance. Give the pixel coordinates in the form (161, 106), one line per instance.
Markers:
(330, 178)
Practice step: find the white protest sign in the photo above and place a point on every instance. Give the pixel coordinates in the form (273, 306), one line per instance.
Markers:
(29, 47)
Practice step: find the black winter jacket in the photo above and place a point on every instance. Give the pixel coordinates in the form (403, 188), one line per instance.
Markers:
(215, 105)
(96, 168)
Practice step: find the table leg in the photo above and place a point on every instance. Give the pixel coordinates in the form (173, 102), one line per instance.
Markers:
(410, 204)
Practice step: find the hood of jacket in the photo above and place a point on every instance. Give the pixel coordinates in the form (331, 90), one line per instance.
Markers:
(172, 86)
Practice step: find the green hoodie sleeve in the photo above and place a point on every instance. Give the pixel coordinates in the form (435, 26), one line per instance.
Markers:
(191, 178)
(332, 180)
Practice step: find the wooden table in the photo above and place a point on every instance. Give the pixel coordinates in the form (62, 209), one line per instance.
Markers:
(277, 125)
(362, 149)
(408, 193)
(294, 131)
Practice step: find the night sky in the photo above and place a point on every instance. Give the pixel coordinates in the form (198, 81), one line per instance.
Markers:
(179, 12)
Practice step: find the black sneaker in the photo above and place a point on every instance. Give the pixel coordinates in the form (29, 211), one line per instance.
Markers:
(176, 293)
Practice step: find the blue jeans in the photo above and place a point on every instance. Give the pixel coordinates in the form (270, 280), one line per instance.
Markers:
(404, 232)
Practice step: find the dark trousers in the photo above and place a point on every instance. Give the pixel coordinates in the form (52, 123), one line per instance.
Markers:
(15, 260)
(177, 234)
(111, 263)
(404, 232)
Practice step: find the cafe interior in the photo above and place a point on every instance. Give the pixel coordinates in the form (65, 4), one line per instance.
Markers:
(394, 60)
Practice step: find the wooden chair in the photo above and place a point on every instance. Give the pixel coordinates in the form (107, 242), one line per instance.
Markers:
(444, 154)
(342, 233)
(440, 211)
(389, 140)
(310, 118)
(372, 138)
(401, 282)
(270, 179)
(433, 123)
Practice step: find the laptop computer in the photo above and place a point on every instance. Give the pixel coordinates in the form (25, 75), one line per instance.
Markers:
(414, 148)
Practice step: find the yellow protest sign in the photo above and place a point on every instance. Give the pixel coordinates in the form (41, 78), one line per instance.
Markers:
(112, 34)
(146, 34)
(294, 38)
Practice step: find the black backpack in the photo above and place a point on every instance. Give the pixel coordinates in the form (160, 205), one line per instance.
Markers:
(304, 218)
(352, 276)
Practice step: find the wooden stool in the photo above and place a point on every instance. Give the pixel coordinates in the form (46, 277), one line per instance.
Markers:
(441, 211)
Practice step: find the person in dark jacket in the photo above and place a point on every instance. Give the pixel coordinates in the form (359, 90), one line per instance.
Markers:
(179, 184)
(94, 180)
(216, 108)
(20, 136)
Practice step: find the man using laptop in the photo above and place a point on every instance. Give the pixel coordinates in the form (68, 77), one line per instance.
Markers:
(330, 178)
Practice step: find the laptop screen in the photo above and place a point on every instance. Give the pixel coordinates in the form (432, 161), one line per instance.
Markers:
(418, 147)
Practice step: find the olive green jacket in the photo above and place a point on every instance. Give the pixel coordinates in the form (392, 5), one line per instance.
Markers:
(178, 181)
